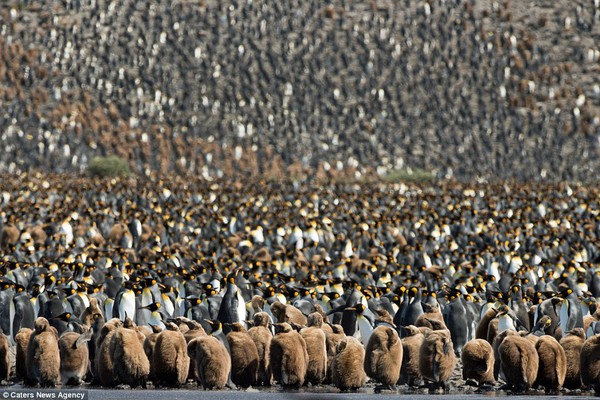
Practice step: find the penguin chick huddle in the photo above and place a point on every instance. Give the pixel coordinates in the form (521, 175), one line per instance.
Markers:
(232, 285)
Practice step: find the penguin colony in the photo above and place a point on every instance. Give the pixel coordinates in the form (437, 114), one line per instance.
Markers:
(382, 285)
(464, 88)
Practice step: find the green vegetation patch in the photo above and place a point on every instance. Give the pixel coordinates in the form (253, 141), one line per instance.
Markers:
(108, 167)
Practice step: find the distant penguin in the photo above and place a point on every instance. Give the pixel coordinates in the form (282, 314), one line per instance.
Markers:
(129, 362)
(478, 362)
(412, 341)
(43, 358)
(519, 361)
(4, 358)
(383, 356)
(436, 357)
(316, 347)
(74, 357)
(262, 336)
(572, 343)
(589, 363)
(170, 359)
(289, 358)
(244, 356)
(552, 367)
(347, 371)
(211, 360)
(22, 340)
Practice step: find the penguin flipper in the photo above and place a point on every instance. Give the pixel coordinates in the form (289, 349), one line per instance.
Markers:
(84, 337)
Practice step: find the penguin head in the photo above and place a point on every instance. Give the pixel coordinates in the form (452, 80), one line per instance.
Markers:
(152, 306)
(66, 317)
(215, 325)
(194, 301)
(282, 327)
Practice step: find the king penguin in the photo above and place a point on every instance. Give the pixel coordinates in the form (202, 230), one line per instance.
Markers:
(570, 311)
(233, 306)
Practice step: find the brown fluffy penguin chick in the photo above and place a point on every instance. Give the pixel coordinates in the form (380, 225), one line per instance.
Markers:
(4, 357)
(194, 330)
(149, 344)
(170, 359)
(262, 336)
(572, 344)
(74, 357)
(43, 358)
(495, 346)
(91, 313)
(103, 371)
(211, 361)
(332, 340)
(411, 348)
(244, 356)
(347, 371)
(436, 358)
(481, 332)
(552, 367)
(430, 312)
(383, 356)
(22, 340)
(316, 347)
(478, 361)
(589, 363)
(519, 361)
(287, 313)
(129, 361)
(288, 356)
(492, 331)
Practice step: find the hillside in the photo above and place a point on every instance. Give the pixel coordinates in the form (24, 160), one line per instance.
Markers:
(461, 89)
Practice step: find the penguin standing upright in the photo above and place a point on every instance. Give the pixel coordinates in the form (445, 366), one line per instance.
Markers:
(233, 307)
(24, 316)
(316, 347)
(364, 323)
(74, 357)
(219, 334)
(383, 355)
(414, 308)
(170, 359)
(570, 316)
(125, 304)
(517, 304)
(4, 357)
(43, 359)
(289, 357)
(572, 343)
(262, 336)
(436, 357)
(244, 356)
(455, 317)
(347, 368)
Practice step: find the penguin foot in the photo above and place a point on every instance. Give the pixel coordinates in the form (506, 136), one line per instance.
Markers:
(471, 382)
(380, 388)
